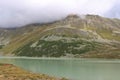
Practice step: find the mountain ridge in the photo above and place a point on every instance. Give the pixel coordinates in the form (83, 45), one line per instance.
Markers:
(73, 36)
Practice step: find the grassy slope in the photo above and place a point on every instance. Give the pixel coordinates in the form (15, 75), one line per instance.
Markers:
(56, 48)
(22, 40)
(11, 72)
(71, 27)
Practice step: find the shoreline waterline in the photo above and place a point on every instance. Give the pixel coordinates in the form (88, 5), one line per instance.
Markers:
(64, 58)
(70, 68)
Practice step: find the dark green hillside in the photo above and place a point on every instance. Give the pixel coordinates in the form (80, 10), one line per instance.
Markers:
(56, 48)
(73, 36)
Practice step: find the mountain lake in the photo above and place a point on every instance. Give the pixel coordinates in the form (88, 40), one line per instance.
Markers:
(71, 68)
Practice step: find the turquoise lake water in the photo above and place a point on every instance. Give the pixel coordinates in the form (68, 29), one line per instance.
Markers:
(73, 69)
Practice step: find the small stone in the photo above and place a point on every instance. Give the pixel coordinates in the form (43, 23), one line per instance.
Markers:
(1, 76)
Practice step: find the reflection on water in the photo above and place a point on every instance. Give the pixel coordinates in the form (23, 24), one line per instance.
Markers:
(76, 69)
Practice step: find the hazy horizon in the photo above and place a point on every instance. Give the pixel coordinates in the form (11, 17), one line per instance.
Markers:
(16, 13)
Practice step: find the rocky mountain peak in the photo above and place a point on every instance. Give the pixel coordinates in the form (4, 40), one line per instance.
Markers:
(77, 35)
(72, 16)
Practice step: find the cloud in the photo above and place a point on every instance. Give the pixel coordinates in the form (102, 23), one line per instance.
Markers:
(114, 12)
(16, 13)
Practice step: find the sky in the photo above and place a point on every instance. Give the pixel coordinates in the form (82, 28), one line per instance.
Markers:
(16, 13)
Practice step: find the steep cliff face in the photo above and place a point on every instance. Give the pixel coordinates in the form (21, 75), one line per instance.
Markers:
(74, 36)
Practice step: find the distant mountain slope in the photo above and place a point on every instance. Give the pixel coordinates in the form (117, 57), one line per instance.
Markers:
(74, 36)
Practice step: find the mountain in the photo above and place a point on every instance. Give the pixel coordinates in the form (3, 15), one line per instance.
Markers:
(73, 36)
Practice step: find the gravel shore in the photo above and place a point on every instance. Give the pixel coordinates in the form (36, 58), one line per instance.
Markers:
(11, 72)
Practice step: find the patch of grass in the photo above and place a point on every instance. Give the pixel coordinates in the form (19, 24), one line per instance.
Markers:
(1, 46)
(56, 48)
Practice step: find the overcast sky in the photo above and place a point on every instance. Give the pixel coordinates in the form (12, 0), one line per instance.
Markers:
(16, 13)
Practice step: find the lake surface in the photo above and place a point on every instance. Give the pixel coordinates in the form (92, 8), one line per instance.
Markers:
(74, 69)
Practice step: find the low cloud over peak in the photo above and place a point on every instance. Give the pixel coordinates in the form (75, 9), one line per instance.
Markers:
(16, 13)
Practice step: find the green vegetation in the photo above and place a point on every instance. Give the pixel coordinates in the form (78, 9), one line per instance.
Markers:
(1, 46)
(73, 36)
(56, 48)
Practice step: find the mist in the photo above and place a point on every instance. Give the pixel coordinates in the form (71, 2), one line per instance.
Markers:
(17, 13)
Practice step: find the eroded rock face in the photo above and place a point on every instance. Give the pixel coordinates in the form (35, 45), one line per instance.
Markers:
(61, 38)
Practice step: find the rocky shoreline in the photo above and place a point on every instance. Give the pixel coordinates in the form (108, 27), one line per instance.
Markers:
(11, 72)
